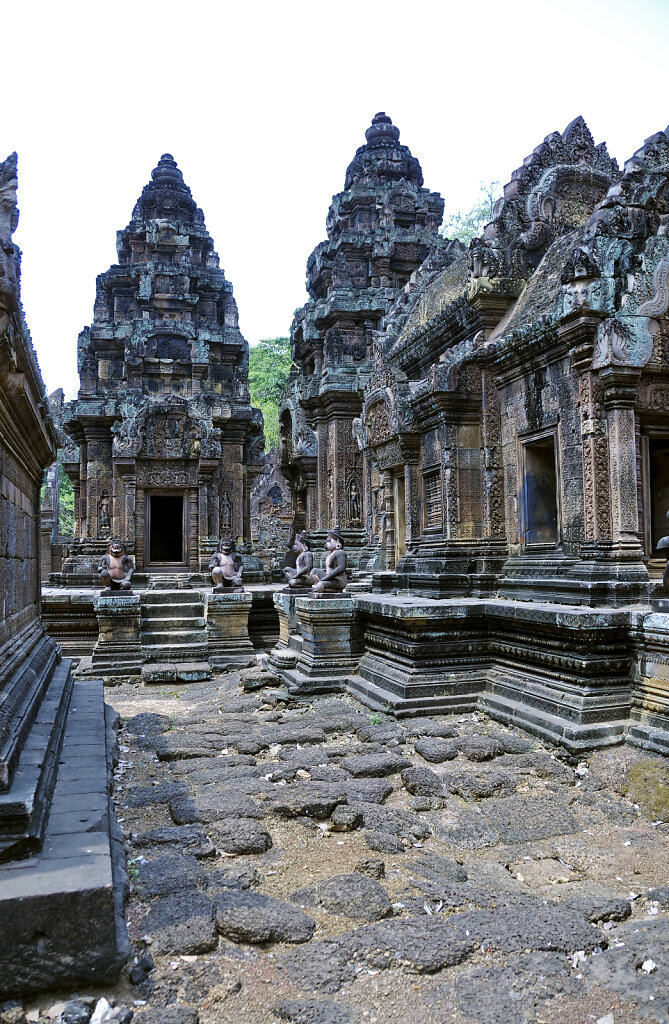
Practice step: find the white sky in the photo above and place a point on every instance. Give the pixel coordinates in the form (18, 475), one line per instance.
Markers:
(263, 106)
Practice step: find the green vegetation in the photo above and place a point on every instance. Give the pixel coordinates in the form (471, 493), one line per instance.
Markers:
(469, 224)
(647, 784)
(66, 502)
(269, 367)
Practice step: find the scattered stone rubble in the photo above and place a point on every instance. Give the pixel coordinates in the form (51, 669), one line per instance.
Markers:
(305, 862)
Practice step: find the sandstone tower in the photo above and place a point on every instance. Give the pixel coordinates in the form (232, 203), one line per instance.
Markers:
(380, 230)
(167, 441)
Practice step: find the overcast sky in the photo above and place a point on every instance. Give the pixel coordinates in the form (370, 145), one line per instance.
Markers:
(263, 106)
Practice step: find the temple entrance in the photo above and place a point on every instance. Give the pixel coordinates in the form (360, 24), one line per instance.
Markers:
(654, 524)
(166, 530)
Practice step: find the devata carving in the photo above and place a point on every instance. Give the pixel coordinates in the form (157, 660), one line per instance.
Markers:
(226, 567)
(116, 569)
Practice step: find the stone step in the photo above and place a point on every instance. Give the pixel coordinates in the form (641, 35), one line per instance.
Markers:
(162, 623)
(172, 611)
(165, 597)
(176, 671)
(25, 806)
(175, 652)
(175, 598)
(173, 636)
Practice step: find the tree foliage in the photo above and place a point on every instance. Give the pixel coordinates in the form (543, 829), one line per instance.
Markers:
(269, 368)
(65, 502)
(468, 224)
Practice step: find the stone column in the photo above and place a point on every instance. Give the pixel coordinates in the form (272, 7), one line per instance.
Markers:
(619, 400)
(227, 617)
(118, 651)
(412, 498)
(388, 518)
(329, 655)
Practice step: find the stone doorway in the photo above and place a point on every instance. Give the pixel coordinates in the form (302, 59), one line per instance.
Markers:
(167, 536)
(654, 524)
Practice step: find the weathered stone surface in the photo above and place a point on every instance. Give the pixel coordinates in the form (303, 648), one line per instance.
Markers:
(148, 723)
(374, 765)
(211, 803)
(314, 799)
(620, 967)
(353, 895)
(439, 869)
(519, 819)
(394, 821)
(250, 917)
(421, 945)
(175, 1014)
(243, 835)
(373, 791)
(181, 923)
(470, 785)
(422, 782)
(510, 995)
(384, 732)
(75, 1012)
(384, 842)
(314, 1011)
(235, 875)
(321, 966)
(599, 908)
(372, 867)
(168, 874)
(480, 748)
(427, 727)
(435, 749)
(647, 783)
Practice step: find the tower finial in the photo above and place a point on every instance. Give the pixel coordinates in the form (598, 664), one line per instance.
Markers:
(382, 128)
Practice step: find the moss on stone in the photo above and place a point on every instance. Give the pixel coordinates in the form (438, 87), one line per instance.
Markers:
(647, 784)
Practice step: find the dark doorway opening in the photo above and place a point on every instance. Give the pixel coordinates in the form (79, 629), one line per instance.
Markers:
(540, 497)
(166, 528)
(659, 492)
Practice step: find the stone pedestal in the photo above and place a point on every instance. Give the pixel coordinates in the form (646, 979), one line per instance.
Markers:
(420, 655)
(329, 654)
(118, 651)
(650, 686)
(227, 617)
(561, 672)
(285, 654)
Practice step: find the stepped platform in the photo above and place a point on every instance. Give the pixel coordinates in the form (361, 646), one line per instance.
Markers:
(173, 636)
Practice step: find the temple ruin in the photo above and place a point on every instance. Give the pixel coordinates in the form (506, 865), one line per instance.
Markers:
(164, 442)
(492, 421)
(473, 477)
